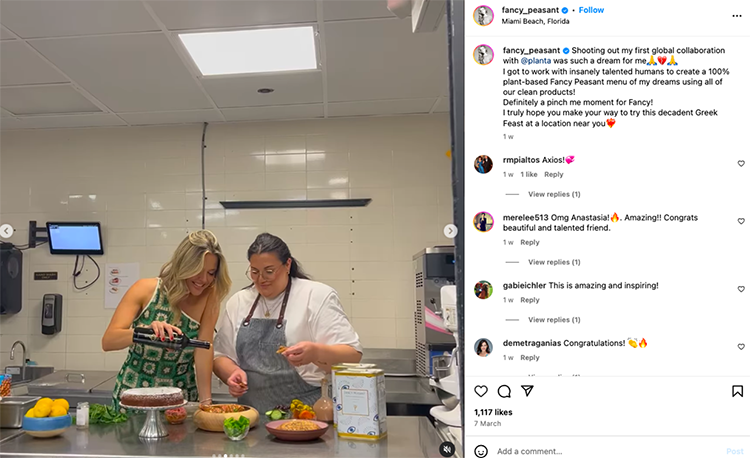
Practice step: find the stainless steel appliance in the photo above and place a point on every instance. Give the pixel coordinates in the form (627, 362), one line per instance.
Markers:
(446, 375)
(64, 384)
(433, 268)
(13, 408)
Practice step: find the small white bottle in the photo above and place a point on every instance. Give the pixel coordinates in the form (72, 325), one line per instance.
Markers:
(82, 415)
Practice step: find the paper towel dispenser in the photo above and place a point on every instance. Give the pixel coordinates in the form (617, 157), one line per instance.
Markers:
(11, 270)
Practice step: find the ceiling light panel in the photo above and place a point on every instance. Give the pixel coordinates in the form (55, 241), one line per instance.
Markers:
(252, 51)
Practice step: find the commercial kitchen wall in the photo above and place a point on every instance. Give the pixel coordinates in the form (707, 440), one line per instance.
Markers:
(144, 186)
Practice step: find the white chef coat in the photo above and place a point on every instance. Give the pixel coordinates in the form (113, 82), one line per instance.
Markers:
(313, 314)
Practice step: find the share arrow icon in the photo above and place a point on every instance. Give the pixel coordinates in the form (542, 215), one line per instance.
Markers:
(527, 389)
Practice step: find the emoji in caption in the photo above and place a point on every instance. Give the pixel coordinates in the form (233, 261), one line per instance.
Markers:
(615, 218)
(651, 62)
(570, 159)
(672, 62)
(611, 122)
(662, 59)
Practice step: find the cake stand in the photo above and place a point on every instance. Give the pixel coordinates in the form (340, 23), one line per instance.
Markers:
(154, 427)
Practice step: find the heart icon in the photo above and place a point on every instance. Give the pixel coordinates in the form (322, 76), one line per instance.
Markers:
(741, 288)
(742, 163)
(741, 220)
(611, 122)
(741, 346)
(480, 390)
(662, 59)
(569, 159)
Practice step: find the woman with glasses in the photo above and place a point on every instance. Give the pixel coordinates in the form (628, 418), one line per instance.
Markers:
(279, 337)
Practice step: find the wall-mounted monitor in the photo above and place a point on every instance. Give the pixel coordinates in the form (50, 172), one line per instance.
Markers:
(75, 238)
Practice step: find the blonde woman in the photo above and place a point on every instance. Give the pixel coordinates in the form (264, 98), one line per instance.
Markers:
(184, 299)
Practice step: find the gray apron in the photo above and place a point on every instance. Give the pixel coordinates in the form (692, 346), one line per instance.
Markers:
(271, 380)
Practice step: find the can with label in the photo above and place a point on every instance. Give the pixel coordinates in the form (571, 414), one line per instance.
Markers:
(361, 404)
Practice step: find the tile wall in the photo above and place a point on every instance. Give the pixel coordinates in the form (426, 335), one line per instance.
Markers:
(144, 186)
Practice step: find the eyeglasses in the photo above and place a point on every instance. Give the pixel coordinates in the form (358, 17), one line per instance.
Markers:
(267, 274)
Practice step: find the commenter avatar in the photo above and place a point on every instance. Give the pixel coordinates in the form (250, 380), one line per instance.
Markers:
(483, 289)
(483, 164)
(483, 221)
(483, 347)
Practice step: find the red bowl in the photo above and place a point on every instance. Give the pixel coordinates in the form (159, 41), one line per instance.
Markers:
(285, 435)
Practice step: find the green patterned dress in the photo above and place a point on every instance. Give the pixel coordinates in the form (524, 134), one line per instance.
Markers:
(149, 366)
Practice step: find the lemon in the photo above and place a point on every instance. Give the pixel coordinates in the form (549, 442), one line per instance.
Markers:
(30, 414)
(44, 401)
(61, 403)
(58, 411)
(42, 411)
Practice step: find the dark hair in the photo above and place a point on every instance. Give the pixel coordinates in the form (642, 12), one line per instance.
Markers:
(479, 346)
(268, 243)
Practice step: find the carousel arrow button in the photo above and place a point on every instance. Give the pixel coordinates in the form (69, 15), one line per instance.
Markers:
(6, 231)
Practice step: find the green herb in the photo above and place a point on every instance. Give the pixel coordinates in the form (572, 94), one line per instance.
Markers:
(236, 427)
(103, 415)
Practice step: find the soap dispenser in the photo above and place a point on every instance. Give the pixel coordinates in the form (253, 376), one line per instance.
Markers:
(51, 314)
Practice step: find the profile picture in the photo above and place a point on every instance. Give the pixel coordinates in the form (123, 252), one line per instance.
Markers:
(483, 221)
(483, 347)
(483, 289)
(484, 15)
(483, 164)
(483, 54)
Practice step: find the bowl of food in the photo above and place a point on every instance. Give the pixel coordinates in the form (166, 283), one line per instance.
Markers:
(48, 418)
(297, 410)
(211, 417)
(176, 416)
(236, 428)
(47, 426)
(297, 430)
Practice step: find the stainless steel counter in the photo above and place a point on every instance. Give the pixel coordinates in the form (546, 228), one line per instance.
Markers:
(408, 437)
(407, 393)
(8, 434)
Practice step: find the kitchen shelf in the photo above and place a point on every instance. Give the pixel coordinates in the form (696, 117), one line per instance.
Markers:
(273, 204)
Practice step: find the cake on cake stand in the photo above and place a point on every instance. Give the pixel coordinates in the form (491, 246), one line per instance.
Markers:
(153, 401)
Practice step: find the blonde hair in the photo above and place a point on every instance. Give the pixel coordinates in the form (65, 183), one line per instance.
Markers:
(187, 261)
